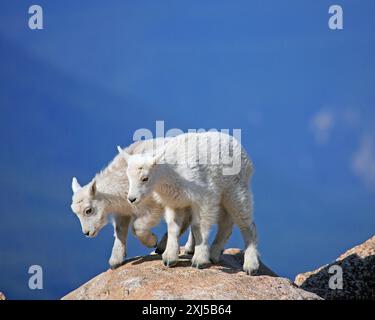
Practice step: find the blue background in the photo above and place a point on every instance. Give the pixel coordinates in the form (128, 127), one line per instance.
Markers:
(302, 94)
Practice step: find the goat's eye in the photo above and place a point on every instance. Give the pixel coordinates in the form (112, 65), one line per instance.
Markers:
(88, 211)
(144, 179)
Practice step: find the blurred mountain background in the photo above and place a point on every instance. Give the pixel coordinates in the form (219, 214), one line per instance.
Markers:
(302, 94)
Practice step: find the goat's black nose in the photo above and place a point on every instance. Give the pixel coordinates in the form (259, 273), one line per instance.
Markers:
(87, 233)
(132, 199)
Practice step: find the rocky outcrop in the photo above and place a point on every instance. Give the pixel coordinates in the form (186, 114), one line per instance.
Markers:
(147, 278)
(358, 275)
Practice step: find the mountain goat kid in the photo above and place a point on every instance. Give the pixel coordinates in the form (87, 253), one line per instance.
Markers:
(107, 194)
(198, 172)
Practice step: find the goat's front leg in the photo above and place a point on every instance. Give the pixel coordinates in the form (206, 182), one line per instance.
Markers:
(142, 229)
(186, 220)
(175, 224)
(121, 226)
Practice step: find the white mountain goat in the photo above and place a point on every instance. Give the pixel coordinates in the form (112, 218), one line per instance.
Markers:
(107, 194)
(198, 172)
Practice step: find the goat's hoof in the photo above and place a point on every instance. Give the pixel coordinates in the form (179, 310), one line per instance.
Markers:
(115, 262)
(251, 272)
(170, 259)
(170, 263)
(251, 266)
(114, 266)
(152, 241)
(198, 265)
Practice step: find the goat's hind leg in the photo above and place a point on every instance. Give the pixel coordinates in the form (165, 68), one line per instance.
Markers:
(190, 243)
(203, 219)
(160, 247)
(224, 231)
(251, 261)
(239, 205)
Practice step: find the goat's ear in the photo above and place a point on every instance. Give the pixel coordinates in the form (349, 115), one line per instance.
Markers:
(119, 149)
(93, 188)
(125, 155)
(75, 185)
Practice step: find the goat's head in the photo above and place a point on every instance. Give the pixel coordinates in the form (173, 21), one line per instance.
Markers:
(141, 175)
(89, 207)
